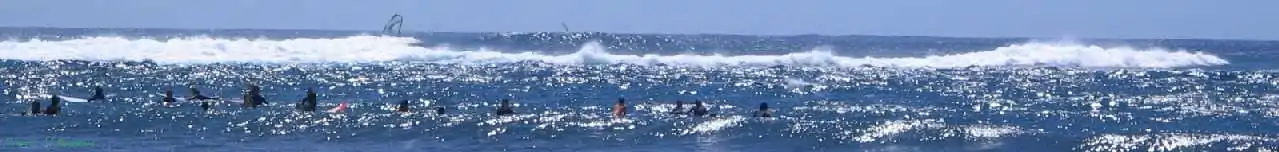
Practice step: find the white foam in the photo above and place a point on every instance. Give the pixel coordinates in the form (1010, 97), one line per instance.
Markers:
(891, 128)
(378, 49)
(713, 125)
(1175, 142)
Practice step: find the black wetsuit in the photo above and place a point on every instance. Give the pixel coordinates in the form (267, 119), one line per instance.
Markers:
(205, 105)
(699, 110)
(308, 103)
(168, 97)
(763, 114)
(505, 111)
(258, 100)
(505, 108)
(169, 100)
(763, 111)
(249, 102)
(54, 106)
(98, 95)
(403, 106)
(254, 97)
(35, 108)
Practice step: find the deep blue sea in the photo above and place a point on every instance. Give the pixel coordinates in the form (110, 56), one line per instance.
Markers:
(830, 93)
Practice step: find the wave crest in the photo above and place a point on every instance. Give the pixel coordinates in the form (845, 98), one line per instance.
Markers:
(380, 49)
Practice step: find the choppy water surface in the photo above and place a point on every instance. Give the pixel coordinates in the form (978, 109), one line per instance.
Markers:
(1019, 96)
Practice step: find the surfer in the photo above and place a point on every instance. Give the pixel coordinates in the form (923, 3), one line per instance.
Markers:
(403, 106)
(699, 109)
(205, 105)
(505, 108)
(35, 108)
(619, 109)
(254, 98)
(309, 102)
(168, 98)
(439, 110)
(98, 95)
(195, 95)
(54, 106)
(763, 111)
(679, 107)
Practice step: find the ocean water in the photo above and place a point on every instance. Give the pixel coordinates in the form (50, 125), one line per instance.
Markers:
(830, 93)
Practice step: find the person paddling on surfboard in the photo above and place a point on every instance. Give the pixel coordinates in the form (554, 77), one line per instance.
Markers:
(254, 98)
(764, 111)
(619, 109)
(699, 109)
(195, 95)
(98, 95)
(308, 103)
(54, 106)
(505, 108)
(168, 98)
(403, 106)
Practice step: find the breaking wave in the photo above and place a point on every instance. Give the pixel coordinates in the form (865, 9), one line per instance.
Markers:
(381, 49)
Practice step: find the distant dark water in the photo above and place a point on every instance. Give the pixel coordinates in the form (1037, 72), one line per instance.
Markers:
(832, 93)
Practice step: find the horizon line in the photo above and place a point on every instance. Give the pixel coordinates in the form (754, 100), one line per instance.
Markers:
(645, 33)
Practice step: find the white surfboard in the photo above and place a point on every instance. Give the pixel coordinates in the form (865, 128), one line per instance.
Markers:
(64, 98)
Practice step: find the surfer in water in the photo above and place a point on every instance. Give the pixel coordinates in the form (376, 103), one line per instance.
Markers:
(679, 107)
(439, 110)
(504, 108)
(98, 95)
(699, 109)
(403, 106)
(206, 106)
(168, 98)
(619, 109)
(195, 95)
(35, 109)
(254, 98)
(54, 106)
(309, 102)
(764, 111)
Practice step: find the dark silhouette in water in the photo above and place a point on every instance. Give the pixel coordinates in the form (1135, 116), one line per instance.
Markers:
(98, 95)
(168, 97)
(205, 105)
(679, 107)
(403, 106)
(763, 111)
(54, 106)
(699, 109)
(505, 108)
(308, 104)
(35, 108)
(254, 98)
(439, 110)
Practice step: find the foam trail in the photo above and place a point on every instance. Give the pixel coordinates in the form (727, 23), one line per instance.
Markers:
(379, 49)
